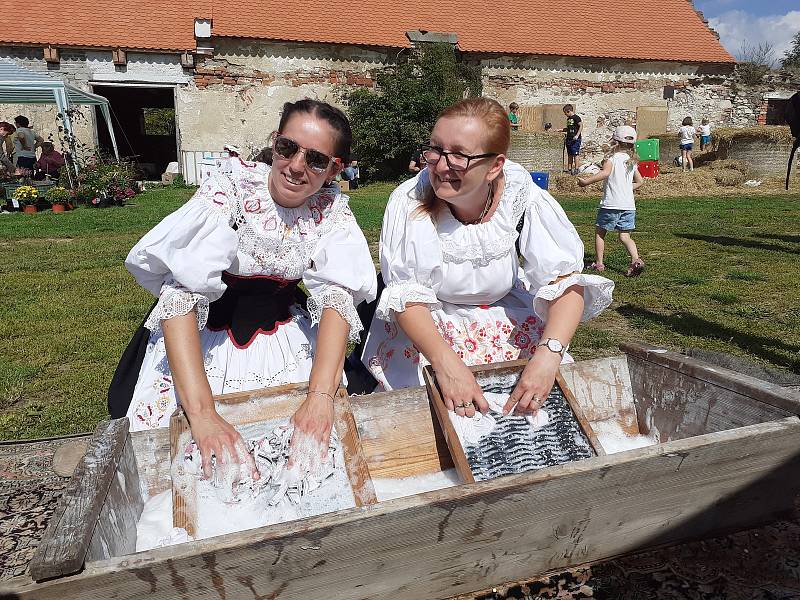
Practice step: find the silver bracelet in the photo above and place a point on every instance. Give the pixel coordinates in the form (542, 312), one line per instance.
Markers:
(322, 393)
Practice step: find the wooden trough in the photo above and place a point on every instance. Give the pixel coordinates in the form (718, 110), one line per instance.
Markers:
(728, 458)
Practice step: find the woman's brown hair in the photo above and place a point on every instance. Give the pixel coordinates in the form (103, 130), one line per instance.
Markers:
(497, 139)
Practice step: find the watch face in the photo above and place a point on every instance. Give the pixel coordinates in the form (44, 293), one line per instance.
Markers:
(554, 345)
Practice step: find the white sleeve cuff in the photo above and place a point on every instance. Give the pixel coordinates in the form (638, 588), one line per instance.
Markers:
(397, 296)
(597, 293)
(339, 300)
(175, 301)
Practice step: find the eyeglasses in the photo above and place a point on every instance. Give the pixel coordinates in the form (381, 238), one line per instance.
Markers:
(456, 161)
(316, 161)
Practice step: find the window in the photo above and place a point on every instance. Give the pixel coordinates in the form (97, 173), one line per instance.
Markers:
(776, 111)
(158, 121)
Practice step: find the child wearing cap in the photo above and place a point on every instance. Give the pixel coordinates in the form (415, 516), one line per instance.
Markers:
(617, 210)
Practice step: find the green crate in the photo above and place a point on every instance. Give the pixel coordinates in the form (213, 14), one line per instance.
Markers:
(9, 188)
(647, 149)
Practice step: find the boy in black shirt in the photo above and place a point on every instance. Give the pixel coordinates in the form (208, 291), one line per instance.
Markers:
(572, 140)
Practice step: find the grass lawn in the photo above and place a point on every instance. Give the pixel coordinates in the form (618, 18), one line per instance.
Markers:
(722, 274)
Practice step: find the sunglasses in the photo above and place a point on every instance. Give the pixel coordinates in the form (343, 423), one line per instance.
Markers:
(316, 161)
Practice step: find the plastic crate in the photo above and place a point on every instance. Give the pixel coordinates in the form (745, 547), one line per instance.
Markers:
(541, 178)
(10, 188)
(648, 168)
(648, 149)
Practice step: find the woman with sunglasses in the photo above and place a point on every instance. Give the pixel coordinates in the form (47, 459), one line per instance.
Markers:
(226, 269)
(455, 293)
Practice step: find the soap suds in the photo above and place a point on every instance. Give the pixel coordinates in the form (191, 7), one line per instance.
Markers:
(388, 488)
(613, 438)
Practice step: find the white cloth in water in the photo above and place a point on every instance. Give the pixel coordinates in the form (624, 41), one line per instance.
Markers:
(471, 429)
(483, 304)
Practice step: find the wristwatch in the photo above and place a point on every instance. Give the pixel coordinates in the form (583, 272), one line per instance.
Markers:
(553, 345)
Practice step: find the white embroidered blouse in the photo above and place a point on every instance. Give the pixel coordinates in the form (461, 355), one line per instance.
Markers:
(447, 261)
(232, 224)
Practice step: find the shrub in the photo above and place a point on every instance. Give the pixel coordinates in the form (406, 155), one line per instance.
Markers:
(390, 123)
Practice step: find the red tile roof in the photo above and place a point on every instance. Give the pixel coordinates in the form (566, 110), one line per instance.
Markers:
(659, 30)
(145, 25)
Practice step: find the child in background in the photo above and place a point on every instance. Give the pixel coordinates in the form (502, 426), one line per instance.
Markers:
(572, 140)
(513, 117)
(705, 134)
(687, 133)
(617, 210)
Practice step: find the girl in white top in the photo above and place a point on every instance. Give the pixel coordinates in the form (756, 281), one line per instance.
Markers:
(617, 210)
(455, 292)
(225, 268)
(686, 134)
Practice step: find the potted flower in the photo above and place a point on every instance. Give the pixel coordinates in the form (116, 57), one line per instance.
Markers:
(26, 195)
(58, 197)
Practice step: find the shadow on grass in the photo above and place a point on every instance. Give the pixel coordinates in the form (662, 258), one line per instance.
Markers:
(724, 240)
(791, 239)
(691, 325)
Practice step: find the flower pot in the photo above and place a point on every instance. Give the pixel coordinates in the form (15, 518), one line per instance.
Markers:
(59, 208)
(29, 208)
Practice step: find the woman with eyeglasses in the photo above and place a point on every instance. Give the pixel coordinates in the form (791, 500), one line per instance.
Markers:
(226, 269)
(455, 292)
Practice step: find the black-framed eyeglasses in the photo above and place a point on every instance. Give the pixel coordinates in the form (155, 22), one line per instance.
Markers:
(456, 161)
(316, 161)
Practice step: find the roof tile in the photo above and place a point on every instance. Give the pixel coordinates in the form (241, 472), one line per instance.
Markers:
(656, 30)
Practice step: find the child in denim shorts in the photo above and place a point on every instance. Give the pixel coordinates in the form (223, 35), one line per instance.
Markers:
(617, 210)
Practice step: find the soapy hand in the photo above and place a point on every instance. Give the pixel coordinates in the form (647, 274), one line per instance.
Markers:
(460, 392)
(312, 432)
(216, 437)
(534, 384)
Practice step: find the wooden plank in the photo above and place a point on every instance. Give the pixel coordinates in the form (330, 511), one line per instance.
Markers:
(354, 461)
(400, 436)
(768, 393)
(66, 541)
(602, 387)
(184, 513)
(457, 540)
(115, 533)
(577, 410)
(451, 437)
(153, 457)
(673, 403)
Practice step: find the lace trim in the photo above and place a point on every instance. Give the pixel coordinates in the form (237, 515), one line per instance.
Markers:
(175, 301)
(597, 295)
(481, 254)
(397, 296)
(342, 302)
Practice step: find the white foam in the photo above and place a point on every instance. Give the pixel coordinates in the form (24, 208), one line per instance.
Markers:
(613, 438)
(388, 488)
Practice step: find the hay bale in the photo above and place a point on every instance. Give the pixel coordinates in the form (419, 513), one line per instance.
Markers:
(730, 164)
(779, 134)
(729, 178)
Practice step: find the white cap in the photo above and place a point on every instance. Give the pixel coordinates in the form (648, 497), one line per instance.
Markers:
(625, 133)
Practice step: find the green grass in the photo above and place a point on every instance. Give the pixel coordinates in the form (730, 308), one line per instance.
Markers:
(721, 274)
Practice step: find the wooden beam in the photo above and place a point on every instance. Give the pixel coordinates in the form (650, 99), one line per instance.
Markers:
(457, 540)
(65, 543)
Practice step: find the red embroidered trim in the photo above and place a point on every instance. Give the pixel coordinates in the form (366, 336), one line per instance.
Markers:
(257, 332)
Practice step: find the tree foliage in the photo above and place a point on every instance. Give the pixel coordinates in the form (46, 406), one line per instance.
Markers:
(755, 61)
(791, 59)
(390, 123)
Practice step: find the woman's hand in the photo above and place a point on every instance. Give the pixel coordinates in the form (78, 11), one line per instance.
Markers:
(312, 431)
(214, 435)
(582, 182)
(535, 384)
(460, 392)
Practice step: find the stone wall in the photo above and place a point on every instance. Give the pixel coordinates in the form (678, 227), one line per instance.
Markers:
(237, 95)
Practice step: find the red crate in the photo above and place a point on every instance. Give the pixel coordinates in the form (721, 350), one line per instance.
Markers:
(648, 168)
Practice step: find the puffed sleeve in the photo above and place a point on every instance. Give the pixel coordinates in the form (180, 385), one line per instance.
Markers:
(553, 257)
(181, 259)
(342, 273)
(411, 258)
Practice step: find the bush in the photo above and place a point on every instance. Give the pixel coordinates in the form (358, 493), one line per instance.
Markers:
(105, 183)
(389, 124)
